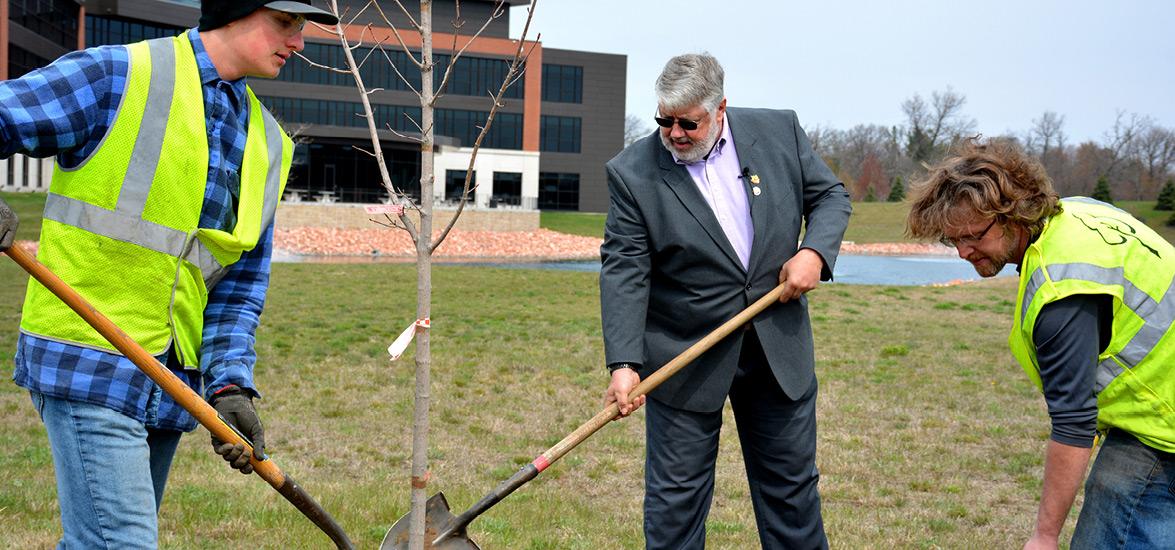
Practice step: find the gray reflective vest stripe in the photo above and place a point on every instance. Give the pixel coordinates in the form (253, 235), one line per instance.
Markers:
(1157, 316)
(126, 222)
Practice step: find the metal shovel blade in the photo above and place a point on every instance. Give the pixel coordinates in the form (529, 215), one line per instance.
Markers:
(436, 518)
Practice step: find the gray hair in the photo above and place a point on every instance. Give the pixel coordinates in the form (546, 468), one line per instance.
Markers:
(689, 80)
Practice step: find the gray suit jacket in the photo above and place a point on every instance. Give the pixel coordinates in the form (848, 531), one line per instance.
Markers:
(670, 275)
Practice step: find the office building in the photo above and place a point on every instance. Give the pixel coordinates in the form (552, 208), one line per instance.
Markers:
(546, 149)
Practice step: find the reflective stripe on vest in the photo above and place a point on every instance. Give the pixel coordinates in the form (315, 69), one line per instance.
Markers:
(1157, 316)
(122, 227)
(137, 184)
(1091, 248)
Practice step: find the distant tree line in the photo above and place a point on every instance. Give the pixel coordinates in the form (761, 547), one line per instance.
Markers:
(1132, 161)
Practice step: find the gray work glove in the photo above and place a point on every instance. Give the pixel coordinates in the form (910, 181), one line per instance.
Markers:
(235, 406)
(8, 223)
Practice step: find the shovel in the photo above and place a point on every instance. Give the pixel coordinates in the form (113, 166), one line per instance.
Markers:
(182, 394)
(450, 531)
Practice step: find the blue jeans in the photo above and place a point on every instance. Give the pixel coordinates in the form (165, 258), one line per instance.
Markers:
(1129, 498)
(110, 472)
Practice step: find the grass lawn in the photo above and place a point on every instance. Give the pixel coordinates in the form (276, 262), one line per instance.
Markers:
(872, 222)
(588, 224)
(875, 222)
(930, 436)
(28, 207)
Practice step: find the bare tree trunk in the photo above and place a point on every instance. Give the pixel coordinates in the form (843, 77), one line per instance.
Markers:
(423, 286)
(422, 235)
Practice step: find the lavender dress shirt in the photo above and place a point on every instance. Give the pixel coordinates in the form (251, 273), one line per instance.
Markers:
(718, 178)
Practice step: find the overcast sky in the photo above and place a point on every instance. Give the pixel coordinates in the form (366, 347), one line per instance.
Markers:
(842, 63)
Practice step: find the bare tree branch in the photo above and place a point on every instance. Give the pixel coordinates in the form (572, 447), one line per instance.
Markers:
(358, 13)
(1121, 139)
(497, 98)
(411, 19)
(377, 150)
(398, 73)
(414, 123)
(400, 135)
(418, 62)
(320, 65)
(453, 60)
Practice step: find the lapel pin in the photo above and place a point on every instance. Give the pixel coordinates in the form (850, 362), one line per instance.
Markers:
(756, 191)
(754, 179)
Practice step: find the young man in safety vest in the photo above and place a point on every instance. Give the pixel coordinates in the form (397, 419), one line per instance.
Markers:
(1092, 328)
(161, 215)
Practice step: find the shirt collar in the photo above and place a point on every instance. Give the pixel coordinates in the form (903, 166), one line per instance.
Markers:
(208, 74)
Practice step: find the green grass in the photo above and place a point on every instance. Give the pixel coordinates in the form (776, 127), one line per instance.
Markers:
(930, 436)
(28, 207)
(872, 222)
(588, 224)
(877, 222)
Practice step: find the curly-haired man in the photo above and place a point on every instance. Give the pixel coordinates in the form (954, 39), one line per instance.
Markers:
(1091, 328)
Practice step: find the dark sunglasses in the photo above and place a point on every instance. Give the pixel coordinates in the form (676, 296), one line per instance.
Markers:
(667, 122)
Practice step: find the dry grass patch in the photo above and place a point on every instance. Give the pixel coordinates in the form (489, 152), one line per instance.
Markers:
(930, 436)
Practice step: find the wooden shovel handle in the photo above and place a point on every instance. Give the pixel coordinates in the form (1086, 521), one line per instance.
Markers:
(178, 390)
(532, 470)
(660, 375)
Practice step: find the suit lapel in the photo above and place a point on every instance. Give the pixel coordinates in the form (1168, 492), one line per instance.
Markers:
(682, 185)
(750, 157)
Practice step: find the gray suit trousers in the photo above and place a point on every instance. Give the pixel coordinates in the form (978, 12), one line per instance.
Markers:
(778, 439)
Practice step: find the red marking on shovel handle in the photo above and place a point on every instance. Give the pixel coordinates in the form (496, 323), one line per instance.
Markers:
(541, 463)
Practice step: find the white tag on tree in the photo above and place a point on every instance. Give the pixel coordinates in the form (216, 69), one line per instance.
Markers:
(397, 348)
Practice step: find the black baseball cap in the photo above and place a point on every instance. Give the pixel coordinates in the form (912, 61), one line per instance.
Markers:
(218, 13)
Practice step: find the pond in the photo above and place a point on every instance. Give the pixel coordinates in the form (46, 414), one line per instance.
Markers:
(850, 269)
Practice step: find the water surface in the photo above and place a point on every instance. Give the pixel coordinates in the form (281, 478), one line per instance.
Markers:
(850, 269)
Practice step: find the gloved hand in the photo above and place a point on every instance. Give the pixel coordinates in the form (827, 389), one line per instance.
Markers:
(235, 406)
(8, 223)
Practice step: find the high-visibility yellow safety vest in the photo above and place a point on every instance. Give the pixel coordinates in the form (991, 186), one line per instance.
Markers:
(1094, 248)
(121, 228)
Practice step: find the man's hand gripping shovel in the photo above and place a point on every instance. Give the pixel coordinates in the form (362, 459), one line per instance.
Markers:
(444, 531)
(182, 394)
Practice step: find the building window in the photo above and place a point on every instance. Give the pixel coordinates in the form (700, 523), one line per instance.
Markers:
(455, 184)
(104, 31)
(505, 133)
(472, 76)
(559, 134)
(562, 83)
(53, 20)
(476, 76)
(507, 189)
(22, 61)
(558, 191)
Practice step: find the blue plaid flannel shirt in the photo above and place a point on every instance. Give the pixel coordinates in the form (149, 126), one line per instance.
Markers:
(64, 109)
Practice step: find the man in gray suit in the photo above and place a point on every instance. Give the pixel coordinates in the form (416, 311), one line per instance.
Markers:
(705, 217)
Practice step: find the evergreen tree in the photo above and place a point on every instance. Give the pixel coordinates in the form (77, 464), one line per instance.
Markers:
(1171, 220)
(897, 193)
(1102, 191)
(1166, 197)
(870, 197)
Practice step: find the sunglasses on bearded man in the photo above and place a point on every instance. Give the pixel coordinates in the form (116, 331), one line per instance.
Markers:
(685, 124)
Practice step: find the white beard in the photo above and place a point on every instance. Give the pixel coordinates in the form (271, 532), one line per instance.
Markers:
(699, 149)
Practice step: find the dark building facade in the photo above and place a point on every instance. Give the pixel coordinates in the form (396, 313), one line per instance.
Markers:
(561, 121)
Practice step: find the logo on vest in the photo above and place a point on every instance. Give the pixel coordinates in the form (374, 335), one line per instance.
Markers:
(1113, 231)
